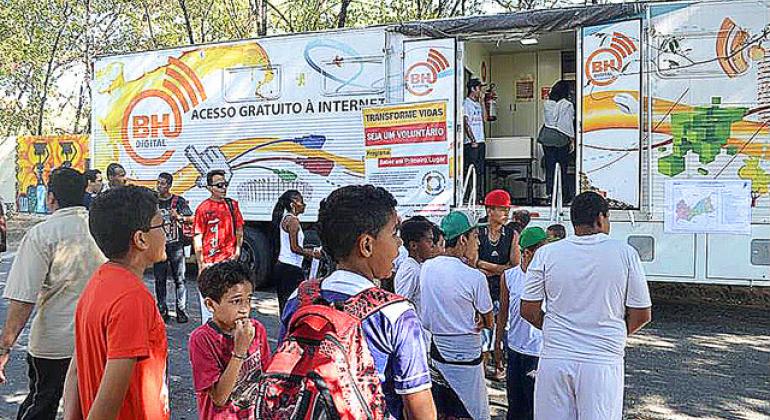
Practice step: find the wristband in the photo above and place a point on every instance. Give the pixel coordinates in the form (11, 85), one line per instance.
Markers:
(235, 355)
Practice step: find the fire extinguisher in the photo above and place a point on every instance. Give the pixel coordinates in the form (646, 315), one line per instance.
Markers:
(490, 102)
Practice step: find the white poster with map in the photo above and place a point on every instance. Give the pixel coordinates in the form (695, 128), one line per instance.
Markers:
(713, 206)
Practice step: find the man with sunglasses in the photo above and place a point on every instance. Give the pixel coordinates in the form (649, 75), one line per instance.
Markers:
(218, 227)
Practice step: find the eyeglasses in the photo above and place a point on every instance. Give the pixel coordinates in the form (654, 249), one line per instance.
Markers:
(220, 184)
(161, 225)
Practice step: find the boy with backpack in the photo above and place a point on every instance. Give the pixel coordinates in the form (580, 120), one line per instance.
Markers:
(352, 349)
(228, 353)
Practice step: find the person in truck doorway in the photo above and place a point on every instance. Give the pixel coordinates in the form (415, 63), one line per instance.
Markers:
(218, 228)
(288, 272)
(557, 136)
(474, 146)
(497, 253)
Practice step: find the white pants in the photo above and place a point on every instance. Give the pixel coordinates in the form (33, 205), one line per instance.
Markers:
(566, 389)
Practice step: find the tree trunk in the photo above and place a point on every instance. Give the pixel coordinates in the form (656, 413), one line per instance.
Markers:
(79, 110)
(149, 24)
(49, 70)
(263, 17)
(188, 24)
(343, 13)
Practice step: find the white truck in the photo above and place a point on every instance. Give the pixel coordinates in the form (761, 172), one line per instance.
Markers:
(672, 109)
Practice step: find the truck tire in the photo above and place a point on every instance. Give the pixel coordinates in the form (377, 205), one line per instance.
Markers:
(256, 254)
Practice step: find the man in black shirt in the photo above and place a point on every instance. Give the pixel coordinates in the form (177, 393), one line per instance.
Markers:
(497, 253)
(176, 212)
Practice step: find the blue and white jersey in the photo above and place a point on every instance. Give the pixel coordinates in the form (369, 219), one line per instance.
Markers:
(393, 335)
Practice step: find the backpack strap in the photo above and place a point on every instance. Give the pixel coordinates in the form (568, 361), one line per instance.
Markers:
(369, 301)
(308, 291)
(230, 207)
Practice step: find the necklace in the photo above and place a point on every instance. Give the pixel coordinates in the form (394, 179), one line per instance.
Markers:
(496, 241)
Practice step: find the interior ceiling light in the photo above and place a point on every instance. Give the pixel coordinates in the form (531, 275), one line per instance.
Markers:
(528, 41)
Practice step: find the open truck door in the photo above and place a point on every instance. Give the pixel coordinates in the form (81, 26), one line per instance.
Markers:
(610, 105)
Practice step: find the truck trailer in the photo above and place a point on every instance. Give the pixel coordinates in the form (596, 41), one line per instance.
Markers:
(672, 108)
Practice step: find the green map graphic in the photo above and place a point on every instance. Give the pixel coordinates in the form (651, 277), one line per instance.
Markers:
(704, 131)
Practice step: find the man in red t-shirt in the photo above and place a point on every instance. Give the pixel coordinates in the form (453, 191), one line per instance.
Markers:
(218, 224)
(119, 367)
(218, 228)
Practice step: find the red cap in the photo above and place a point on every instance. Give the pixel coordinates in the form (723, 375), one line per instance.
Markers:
(497, 198)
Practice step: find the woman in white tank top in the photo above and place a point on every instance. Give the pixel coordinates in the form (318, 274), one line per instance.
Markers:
(288, 269)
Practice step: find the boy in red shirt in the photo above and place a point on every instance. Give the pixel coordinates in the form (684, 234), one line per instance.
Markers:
(230, 351)
(119, 367)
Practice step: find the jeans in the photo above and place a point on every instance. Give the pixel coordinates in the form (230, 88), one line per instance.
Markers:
(175, 263)
(477, 156)
(551, 156)
(520, 385)
(46, 385)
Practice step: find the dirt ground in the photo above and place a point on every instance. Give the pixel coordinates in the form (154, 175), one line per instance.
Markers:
(698, 359)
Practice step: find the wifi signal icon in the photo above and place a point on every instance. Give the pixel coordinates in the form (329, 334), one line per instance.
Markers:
(731, 48)
(622, 44)
(182, 76)
(437, 61)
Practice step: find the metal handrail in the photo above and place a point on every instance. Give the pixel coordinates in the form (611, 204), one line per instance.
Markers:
(470, 176)
(556, 215)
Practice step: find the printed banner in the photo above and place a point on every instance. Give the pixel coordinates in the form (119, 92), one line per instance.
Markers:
(430, 74)
(610, 153)
(406, 153)
(275, 114)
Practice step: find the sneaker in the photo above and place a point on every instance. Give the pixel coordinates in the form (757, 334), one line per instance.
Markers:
(181, 317)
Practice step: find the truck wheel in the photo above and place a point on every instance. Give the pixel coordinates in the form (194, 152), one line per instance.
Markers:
(256, 255)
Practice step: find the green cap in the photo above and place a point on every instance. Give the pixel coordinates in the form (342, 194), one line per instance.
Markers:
(457, 223)
(532, 236)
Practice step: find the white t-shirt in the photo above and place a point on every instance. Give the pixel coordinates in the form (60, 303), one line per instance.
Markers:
(587, 282)
(522, 336)
(559, 116)
(451, 293)
(472, 111)
(402, 255)
(407, 281)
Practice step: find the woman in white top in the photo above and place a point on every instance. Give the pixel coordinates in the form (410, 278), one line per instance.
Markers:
(288, 270)
(558, 133)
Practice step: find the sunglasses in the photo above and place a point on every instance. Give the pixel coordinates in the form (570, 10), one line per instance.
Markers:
(222, 184)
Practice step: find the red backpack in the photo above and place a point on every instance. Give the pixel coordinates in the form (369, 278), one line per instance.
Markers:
(323, 369)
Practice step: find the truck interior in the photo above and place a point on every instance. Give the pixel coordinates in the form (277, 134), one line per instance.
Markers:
(520, 71)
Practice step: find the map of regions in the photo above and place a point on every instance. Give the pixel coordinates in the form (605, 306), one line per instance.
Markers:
(686, 212)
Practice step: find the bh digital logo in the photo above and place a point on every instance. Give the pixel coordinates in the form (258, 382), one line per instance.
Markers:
(420, 77)
(606, 64)
(154, 116)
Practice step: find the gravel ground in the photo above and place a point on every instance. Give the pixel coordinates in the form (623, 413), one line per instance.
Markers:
(695, 361)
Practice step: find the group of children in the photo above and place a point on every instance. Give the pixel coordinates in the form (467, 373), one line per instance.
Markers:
(423, 343)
